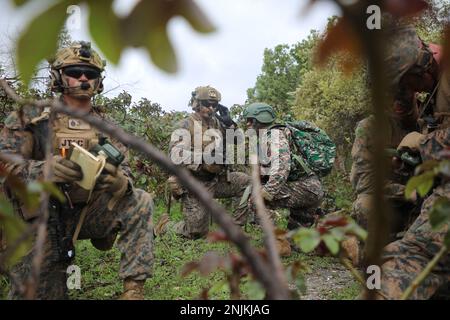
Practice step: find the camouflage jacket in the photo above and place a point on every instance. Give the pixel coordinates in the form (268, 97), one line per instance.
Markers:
(362, 172)
(18, 137)
(278, 166)
(193, 141)
(435, 144)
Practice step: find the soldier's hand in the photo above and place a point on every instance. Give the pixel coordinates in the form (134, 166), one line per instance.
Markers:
(112, 180)
(411, 141)
(65, 170)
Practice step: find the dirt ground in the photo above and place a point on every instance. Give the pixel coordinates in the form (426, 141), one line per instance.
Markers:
(330, 282)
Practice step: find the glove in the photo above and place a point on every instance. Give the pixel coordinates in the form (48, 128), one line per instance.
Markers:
(175, 187)
(112, 180)
(65, 170)
(411, 141)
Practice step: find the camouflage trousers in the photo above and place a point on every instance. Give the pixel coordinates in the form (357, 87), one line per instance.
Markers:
(406, 258)
(131, 218)
(301, 197)
(196, 219)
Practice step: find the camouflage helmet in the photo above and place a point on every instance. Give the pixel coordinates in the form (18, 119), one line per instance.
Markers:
(204, 93)
(405, 50)
(262, 112)
(79, 53)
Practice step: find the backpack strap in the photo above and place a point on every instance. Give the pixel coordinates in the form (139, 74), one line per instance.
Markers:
(295, 156)
(302, 163)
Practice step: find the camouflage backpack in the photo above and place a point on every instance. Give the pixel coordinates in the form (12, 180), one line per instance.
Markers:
(314, 151)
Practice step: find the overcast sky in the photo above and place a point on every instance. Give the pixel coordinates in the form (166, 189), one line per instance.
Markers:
(229, 59)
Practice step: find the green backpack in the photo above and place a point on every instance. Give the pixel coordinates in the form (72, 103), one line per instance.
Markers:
(314, 151)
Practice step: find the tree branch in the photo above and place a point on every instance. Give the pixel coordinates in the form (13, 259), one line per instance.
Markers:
(43, 217)
(262, 272)
(267, 226)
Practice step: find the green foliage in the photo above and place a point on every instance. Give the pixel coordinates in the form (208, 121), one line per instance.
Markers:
(145, 26)
(333, 101)
(104, 27)
(425, 181)
(307, 239)
(148, 120)
(12, 228)
(172, 253)
(431, 23)
(283, 67)
(421, 183)
(339, 193)
(40, 37)
(330, 232)
(440, 214)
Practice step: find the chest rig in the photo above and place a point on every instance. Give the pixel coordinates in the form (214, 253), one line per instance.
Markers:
(68, 130)
(197, 129)
(65, 131)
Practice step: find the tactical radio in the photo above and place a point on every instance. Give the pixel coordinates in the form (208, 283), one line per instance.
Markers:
(112, 154)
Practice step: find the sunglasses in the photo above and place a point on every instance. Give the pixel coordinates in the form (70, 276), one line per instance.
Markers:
(77, 71)
(207, 103)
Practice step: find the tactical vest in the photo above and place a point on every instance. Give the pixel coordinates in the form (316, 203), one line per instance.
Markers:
(65, 131)
(215, 126)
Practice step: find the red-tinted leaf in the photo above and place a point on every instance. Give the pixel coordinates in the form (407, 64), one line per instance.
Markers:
(340, 37)
(217, 236)
(335, 221)
(210, 262)
(405, 8)
(204, 294)
(188, 268)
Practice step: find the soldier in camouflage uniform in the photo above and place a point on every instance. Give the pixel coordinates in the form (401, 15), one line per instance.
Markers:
(303, 195)
(203, 127)
(404, 259)
(413, 66)
(115, 206)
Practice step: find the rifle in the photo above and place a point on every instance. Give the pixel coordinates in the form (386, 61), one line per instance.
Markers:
(227, 123)
(59, 236)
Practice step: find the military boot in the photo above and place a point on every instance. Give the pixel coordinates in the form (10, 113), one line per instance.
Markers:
(133, 290)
